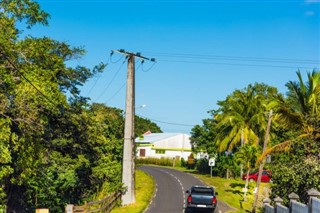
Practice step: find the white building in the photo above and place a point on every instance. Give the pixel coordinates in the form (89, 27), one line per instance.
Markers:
(168, 145)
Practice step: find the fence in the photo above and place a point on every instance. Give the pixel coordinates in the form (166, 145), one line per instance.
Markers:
(104, 205)
(313, 206)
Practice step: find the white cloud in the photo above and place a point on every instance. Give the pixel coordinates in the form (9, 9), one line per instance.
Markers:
(311, 1)
(309, 13)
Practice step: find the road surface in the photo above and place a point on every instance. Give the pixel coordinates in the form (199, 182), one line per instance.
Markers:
(170, 196)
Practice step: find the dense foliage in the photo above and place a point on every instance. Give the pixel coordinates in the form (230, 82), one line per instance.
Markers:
(239, 126)
(143, 125)
(53, 150)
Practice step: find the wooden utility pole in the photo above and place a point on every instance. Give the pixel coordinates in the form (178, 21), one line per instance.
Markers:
(128, 166)
(256, 196)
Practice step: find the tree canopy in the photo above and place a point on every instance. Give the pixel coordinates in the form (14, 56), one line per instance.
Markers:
(55, 146)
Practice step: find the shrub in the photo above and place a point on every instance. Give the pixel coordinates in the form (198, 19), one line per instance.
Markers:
(163, 161)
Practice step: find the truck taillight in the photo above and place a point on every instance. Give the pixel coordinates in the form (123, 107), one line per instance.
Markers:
(189, 199)
(214, 200)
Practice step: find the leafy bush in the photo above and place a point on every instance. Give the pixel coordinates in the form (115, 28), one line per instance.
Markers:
(163, 161)
(202, 166)
(224, 163)
(297, 171)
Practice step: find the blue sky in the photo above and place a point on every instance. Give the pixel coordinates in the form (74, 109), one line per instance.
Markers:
(204, 49)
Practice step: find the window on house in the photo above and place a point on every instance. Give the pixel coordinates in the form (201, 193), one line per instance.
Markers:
(159, 151)
(142, 152)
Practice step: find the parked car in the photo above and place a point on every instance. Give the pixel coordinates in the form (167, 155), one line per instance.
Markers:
(201, 198)
(253, 176)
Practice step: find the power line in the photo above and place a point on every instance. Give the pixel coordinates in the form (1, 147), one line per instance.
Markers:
(110, 58)
(117, 92)
(164, 122)
(94, 84)
(23, 76)
(233, 64)
(241, 58)
(113, 78)
(147, 70)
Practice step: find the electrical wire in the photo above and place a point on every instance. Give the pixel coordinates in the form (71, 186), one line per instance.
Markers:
(117, 92)
(94, 84)
(233, 64)
(241, 58)
(23, 76)
(99, 76)
(114, 62)
(165, 122)
(147, 70)
(231, 60)
(113, 78)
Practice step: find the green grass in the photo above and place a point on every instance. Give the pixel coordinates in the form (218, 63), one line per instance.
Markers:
(144, 191)
(230, 191)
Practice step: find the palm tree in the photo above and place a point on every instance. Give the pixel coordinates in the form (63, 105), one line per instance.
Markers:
(247, 155)
(301, 110)
(242, 116)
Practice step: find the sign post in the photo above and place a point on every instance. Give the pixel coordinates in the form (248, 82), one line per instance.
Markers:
(212, 162)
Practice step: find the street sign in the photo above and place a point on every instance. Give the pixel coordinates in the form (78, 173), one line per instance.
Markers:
(212, 162)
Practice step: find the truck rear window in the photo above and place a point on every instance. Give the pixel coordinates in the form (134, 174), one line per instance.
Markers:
(202, 191)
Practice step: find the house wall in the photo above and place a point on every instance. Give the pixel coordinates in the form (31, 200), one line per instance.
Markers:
(176, 146)
(158, 153)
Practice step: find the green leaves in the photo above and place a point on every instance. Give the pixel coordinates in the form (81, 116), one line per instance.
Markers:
(24, 10)
(242, 116)
(296, 175)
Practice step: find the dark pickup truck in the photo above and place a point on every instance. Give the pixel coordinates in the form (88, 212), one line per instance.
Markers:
(201, 198)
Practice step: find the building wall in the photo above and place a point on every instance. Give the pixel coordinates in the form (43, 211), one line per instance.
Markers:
(158, 153)
(175, 146)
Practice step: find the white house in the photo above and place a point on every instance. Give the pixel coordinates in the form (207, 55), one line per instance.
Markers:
(164, 145)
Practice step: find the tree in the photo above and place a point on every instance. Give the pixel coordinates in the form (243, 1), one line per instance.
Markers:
(299, 113)
(143, 125)
(242, 115)
(40, 134)
(296, 170)
(247, 155)
(202, 137)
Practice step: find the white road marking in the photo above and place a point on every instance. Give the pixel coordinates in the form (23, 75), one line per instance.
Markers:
(183, 194)
(154, 196)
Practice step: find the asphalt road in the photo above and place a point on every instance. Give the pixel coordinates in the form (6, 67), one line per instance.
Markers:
(170, 196)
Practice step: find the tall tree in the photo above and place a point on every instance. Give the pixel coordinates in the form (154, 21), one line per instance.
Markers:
(33, 80)
(300, 111)
(242, 116)
(143, 125)
(203, 137)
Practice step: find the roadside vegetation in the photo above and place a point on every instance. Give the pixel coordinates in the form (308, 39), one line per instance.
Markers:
(236, 132)
(56, 147)
(145, 187)
(231, 192)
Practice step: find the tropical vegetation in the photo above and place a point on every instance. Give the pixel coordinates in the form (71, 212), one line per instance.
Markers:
(240, 125)
(55, 146)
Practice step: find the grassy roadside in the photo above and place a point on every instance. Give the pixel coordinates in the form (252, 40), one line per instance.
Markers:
(144, 191)
(230, 190)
